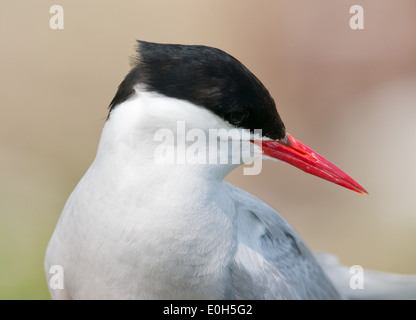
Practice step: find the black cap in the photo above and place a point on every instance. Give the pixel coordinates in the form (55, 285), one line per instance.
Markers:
(207, 77)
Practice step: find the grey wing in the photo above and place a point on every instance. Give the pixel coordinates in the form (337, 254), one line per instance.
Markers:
(272, 261)
(375, 284)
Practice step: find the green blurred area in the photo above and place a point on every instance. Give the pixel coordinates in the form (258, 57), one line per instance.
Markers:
(28, 207)
(55, 86)
(31, 198)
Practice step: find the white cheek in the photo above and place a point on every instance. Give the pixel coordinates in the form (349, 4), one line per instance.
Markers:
(163, 111)
(138, 121)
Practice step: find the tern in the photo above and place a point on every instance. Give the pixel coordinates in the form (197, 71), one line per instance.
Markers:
(140, 227)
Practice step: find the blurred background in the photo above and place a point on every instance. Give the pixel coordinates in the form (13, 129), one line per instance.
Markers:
(348, 94)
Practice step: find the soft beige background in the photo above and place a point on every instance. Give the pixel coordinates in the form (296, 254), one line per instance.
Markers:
(351, 95)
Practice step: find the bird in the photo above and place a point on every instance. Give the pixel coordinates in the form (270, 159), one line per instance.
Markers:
(143, 224)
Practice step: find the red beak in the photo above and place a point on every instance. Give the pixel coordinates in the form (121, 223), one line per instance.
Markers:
(297, 154)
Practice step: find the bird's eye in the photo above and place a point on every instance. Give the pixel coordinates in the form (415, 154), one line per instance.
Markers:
(237, 117)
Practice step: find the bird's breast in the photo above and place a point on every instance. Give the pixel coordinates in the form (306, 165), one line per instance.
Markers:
(136, 244)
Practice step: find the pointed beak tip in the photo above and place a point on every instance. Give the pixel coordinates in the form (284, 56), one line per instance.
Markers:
(363, 191)
(297, 154)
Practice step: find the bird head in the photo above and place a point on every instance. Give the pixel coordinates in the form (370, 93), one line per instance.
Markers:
(207, 89)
